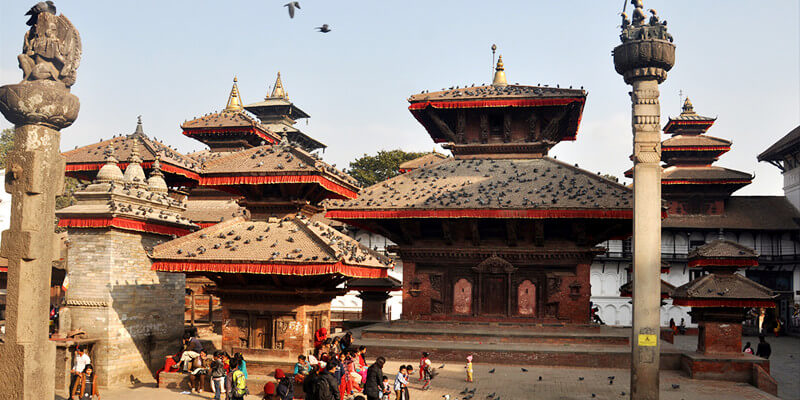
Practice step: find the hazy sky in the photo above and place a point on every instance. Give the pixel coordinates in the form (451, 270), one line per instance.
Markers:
(173, 60)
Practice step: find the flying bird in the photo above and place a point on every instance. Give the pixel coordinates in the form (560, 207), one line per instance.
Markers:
(40, 7)
(324, 28)
(292, 5)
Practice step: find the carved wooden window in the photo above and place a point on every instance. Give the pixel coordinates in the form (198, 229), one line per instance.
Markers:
(462, 297)
(526, 298)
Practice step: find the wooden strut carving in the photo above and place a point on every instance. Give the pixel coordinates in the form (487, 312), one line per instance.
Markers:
(484, 128)
(550, 131)
(441, 125)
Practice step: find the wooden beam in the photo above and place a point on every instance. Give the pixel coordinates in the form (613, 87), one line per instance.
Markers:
(533, 124)
(405, 232)
(507, 126)
(447, 233)
(441, 125)
(475, 232)
(461, 126)
(511, 232)
(484, 128)
(538, 233)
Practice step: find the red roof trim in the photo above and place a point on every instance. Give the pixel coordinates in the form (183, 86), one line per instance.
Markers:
(262, 180)
(695, 148)
(3, 269)
(122, 223)
(270, 268)
(204, 225)
(479, 213)
(164, 167)
(732, 303)
(722, 262)
(479, 103)
(702, 182)
(258, 132)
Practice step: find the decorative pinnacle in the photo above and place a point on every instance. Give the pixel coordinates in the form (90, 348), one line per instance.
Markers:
(499, 74)
(139, 129)
(109, 152)
(688, 108)
(234, 99)
(157, 166)
(134, 158)
(278, 92)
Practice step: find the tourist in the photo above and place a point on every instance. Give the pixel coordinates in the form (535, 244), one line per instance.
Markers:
(372, 388)
(325, 385)
(86, 385)
(385, 388)
(764, 349)
(236, 383)
(682, 327)
(217, 375)
(747, 349)
(319, 339)
(198, 372)
(310, 380)
(192, 349)
(468, 367)
(242, 364)
(342, 375)
(285, 388)
(362, 363)
(422, 365)
(346, 342)
(596, 317)
(400, 383)
(301, 369)
(81, 361)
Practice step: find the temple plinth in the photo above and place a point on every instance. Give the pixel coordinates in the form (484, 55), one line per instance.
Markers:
(643, 59)
(499, 231)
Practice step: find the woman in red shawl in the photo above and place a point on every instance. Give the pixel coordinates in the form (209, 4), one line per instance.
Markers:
(319, 338)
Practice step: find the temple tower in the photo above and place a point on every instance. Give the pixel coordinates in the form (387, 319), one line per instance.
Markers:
(135, 313)
(643, 59)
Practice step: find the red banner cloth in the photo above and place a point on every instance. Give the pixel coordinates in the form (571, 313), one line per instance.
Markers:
(339, 268)
(122, 223)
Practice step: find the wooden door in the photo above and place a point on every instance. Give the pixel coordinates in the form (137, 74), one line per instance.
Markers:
(263, 332)
(493, 295)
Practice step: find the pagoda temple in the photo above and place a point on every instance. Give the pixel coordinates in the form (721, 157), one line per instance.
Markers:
(274, 268)
(500, 231)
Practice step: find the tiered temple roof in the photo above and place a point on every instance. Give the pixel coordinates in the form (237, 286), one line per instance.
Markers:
(782, 149)
(423, 161)
(280, 115)
(179, 170)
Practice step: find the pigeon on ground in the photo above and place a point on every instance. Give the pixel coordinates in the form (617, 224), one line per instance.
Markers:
(491, 394)
(292, 6)
(324, 28)
(612, 377)
(491, 371)
(676, 386)
(473, 391)
(464, 391)
(594, 395)
(524, 370)
(441, 366)
(540, 379)
(446, 397)
(580, 378)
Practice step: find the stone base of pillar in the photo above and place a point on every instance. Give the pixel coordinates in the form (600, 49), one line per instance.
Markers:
(373, 305)
(30, 366)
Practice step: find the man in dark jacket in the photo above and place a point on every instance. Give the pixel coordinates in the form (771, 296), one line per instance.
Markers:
(324, 382)
(372, 387)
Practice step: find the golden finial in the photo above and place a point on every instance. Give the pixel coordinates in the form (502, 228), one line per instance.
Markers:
(278, 91)
(499, 74)
(687, 107)
(234, 100)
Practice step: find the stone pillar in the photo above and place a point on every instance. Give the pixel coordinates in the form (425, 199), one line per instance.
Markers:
(39, 107)
(643, 59)
(373, 305)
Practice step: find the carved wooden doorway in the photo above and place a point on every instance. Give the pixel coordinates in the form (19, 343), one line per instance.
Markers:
(493, 294)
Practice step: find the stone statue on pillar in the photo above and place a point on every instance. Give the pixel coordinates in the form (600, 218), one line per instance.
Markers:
(643, 59)
(39, 106)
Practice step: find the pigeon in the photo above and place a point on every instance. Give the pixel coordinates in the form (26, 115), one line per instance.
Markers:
(676, 386)
(441, 366)
(324, 28)
(594, 395)
(446, 397)
(472, 391)
(491, 394)
(292, 6)
(540, 379)
(464, 391)
(491, 371)
(580, 378)
(524, 370)
(40, 7)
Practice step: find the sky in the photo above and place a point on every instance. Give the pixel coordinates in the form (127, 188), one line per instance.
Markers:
(170, 61)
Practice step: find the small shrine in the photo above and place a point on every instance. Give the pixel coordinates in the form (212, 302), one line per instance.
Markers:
(373, 293)
(721, 298)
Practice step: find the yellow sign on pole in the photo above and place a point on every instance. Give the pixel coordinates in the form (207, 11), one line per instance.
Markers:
(647, 340)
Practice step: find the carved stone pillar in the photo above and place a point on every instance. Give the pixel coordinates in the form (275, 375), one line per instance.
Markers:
(643, 59)
(39, 107)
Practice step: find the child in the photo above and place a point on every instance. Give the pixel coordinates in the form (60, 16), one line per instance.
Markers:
(385, 390)
(409, 372)
(86, 385)
(469, 368)
(217, 375)
(422, 365)
(236, 383)
(427, 375)
(400, 382)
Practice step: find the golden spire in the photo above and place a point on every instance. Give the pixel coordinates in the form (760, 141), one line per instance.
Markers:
(499, 74)
(687, 107)
(234, 100)
(278, 91)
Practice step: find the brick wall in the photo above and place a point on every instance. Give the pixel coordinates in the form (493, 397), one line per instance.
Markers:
(115, 296)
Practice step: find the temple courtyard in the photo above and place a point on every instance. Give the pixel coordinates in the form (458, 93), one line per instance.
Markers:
(510, 382)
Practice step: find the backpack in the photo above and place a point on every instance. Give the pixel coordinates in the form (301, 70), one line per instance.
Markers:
(285, 389)
(239, 384)
(322, 389)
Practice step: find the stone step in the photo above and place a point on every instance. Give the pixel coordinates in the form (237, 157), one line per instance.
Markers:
(609, 336)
